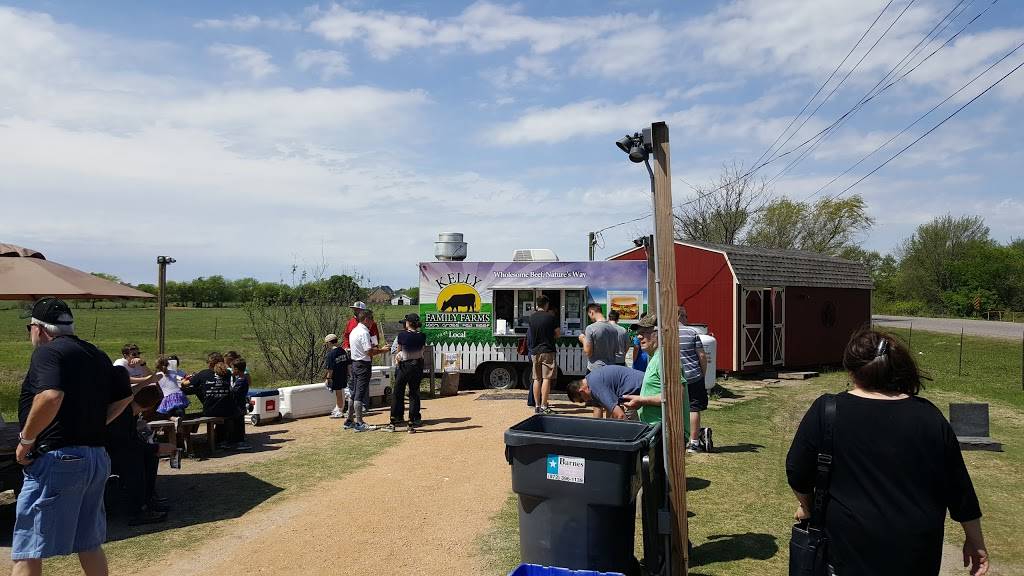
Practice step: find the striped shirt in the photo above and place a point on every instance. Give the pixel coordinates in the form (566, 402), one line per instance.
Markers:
(689, 345)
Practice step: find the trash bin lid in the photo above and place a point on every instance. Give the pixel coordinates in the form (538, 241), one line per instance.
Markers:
(535, 570)
(260, 392)
(579, 432)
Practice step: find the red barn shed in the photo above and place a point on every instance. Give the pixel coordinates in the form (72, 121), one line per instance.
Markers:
(770, 309)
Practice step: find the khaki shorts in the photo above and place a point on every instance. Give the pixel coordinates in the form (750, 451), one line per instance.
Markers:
(544, 366)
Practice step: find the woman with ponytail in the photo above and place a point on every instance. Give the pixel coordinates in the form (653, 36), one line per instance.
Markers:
(896, 469)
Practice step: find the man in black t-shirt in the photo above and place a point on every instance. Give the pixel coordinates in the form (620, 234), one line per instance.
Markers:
(543, 332)
(70, 394)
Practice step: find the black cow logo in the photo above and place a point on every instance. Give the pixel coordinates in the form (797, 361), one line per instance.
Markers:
(457, 301)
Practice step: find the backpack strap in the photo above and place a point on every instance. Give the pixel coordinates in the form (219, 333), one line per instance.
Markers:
(824, 465)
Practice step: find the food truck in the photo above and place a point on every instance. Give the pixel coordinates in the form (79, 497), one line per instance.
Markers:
(475, 314)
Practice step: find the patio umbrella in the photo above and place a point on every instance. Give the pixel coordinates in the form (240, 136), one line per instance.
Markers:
(27, 275)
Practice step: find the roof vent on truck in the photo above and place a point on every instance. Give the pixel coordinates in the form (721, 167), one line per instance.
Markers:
(534, 255)
(450, 247)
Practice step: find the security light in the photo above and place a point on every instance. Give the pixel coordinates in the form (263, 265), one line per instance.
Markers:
(625, 143)
(638, 146)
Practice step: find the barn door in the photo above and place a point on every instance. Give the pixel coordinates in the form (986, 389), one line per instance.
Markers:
(778, 296)
(752, 336)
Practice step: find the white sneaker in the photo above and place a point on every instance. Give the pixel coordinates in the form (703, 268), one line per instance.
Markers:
(336, 414)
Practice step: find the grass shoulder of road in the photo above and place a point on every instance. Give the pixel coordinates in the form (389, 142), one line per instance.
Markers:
(742, 506)
(205, 504)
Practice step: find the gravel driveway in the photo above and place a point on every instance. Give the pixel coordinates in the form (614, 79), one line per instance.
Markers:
(991, 329)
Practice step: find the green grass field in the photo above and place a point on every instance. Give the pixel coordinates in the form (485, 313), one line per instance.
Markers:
(192, 333)
(741, 503)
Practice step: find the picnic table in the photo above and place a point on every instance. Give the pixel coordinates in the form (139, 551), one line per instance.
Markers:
(179, 430)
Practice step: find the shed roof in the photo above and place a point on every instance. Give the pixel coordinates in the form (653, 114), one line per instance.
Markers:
(771, 267)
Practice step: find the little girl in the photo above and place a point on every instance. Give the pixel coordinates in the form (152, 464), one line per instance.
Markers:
(175, 401)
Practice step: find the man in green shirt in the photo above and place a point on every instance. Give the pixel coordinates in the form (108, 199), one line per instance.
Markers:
(648, 402)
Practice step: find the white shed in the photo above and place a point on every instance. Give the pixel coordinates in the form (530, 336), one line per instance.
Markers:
(401, 300)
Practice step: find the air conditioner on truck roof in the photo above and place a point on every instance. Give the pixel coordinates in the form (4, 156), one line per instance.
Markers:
(534, 255)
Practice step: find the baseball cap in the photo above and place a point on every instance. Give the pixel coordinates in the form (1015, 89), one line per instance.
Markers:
(358, 306)
(330, 338)
(647, 322)
(412, 317)
(52, 311)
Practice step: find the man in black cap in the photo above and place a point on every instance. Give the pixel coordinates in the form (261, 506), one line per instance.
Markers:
(408, 352)
(70, 394)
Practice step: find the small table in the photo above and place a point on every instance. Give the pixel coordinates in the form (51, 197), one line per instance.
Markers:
(185, 428)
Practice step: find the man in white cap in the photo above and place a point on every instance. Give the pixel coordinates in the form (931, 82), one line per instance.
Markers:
(336, 367)
(353, 322)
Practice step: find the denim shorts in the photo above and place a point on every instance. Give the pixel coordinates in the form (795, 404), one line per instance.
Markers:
(60, 508)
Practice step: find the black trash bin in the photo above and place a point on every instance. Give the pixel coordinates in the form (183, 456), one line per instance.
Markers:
(577, 481)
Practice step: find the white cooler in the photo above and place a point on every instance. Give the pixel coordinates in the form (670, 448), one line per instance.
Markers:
(263, 405)
(316, 400)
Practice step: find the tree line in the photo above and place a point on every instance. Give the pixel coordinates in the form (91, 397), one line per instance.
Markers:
(217, 291)
(948, 266)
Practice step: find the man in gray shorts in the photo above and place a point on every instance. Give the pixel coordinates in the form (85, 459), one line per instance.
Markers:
(694, 363)
(601, 340)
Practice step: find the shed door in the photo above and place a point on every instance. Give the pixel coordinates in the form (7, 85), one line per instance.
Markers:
(752, 331)
(778, 296)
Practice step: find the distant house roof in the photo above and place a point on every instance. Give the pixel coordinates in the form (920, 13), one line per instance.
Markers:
(771, 267)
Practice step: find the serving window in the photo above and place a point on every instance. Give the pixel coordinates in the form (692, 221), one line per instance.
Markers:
(513, 307)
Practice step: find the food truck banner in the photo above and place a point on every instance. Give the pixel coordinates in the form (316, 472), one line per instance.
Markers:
(456, 298)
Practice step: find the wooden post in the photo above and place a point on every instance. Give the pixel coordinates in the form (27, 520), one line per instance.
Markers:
(668, 343)
(960, 361)
(161, 325)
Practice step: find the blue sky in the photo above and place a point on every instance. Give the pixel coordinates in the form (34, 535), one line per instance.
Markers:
(245, 137)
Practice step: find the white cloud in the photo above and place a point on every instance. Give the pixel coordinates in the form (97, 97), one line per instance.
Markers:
(247, 59)
(330, 62)
(482, 27)
(587, 118)
(524, 70)
(246, 23)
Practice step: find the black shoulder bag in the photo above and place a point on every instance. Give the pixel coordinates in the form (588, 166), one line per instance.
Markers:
(808, 547)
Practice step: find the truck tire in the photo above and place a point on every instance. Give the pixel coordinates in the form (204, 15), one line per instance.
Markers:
(499, 376)
(526, 376)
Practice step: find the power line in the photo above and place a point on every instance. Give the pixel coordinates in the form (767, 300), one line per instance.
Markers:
(849, 72)
(822, 87)
(919, 118)
(872, 94)
(932, 129)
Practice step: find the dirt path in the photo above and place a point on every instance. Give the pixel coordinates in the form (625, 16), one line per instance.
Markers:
(418, 508)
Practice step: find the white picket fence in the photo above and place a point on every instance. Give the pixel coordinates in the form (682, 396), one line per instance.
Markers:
(571, 360)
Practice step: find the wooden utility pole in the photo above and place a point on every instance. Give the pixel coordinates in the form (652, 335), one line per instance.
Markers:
(591, 242)
(668, 342)
(161, 323)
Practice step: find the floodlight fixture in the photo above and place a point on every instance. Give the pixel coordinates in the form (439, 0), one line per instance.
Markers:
(638, 146)
(625, 143)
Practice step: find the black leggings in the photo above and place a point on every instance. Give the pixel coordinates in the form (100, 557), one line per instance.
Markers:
(409, 373)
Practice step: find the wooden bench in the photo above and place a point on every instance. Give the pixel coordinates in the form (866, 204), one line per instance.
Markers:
(183, 428)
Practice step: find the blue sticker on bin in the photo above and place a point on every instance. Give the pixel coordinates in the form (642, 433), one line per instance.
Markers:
(566, 468)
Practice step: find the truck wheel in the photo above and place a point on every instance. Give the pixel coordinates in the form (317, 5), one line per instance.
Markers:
(254, 419)
(500, 376)
(526, 377)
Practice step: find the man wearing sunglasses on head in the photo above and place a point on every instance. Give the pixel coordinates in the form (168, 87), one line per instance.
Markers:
(132, 361)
